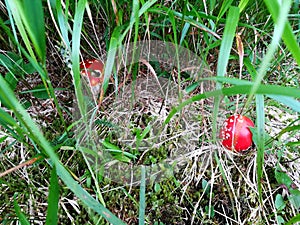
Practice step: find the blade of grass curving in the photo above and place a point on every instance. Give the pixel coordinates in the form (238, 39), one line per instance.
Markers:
(289, 128)
(240, 89)
(279, 27)
(22, 218)
(53, 197)
(142, 206)
(288, 36)
(35, 134)
(288, 101)
(75, 52)
(260, 124)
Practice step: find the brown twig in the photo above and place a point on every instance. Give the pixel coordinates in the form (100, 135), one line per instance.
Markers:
(27, 163)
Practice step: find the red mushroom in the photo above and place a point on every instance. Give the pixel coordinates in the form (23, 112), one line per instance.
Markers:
(94, 71)
(235, 133)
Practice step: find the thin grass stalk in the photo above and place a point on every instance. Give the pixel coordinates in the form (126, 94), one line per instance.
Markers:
(78, 18)
(142, 205)
(260, 123)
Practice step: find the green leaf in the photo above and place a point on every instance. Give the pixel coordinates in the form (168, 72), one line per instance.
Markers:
(118, 153)
(206, 186)
(243, 4)
(280, 220)
(110, 146)
(52, 211)
(283, 178)
(210, 211)
(12, 80)
(279, 202)
(157, 187)
(295, 198)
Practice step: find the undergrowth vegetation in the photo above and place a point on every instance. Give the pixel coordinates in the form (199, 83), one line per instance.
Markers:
(142, 145)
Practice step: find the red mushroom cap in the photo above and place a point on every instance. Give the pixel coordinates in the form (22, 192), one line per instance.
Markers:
(235, 133)
(94, 71)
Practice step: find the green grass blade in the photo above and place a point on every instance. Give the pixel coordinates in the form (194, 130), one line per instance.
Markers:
(142, 10)
(42, 72)
(34, 22)
(52, 211)
(22, 218)
(279, 27)
(115, 41)
(243, 4)
(288, 37)
(62, 21)
(225, 49)
(241, 89)
(142, 206)
(75, 54)
(288, 101)
(225, 6)
(227, 40)
(294, 220)
(260, 123)
(36, 135)
(13, 27)
(25, 14)
(16, 12)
